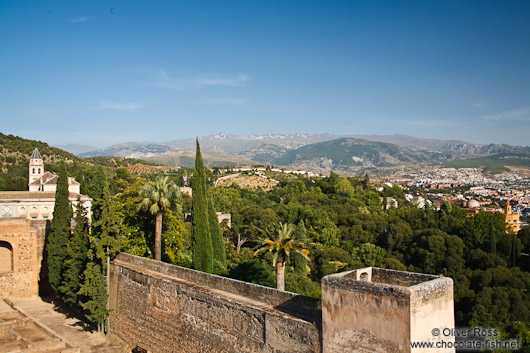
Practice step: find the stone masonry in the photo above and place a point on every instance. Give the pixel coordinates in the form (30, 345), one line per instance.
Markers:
(157, 307)
(21, 256)
(19, 261)
(165, 308)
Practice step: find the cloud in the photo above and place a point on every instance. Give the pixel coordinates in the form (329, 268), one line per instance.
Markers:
(78, 19)
(161, 79)
(109, 105)
(232, 101)
(521, 114)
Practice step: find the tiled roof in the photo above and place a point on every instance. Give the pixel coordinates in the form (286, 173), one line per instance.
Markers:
(72, 181)
(50, 181)
(36, 154)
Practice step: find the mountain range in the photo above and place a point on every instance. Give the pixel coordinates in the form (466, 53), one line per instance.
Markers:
(323, 152)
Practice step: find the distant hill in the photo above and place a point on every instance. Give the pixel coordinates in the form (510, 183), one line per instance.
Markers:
(17, 147)
(129, 150)
(230, 150)
(236, 144)
(220, 150)
(14, 158)
(265, 153)
(413, 143)
(354, 155)
(222, 147)
(15, 153)
(494, 164)
(77, 149)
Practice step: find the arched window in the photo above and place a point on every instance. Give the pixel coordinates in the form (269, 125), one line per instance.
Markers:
(39, 170)
(364, 276)
(6, 257)
(33, 170)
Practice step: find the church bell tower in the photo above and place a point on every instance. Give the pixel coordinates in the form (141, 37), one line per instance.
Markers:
(36, 166)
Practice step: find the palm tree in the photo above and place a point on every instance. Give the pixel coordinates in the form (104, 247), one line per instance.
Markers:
(157, 195)
(280, 241)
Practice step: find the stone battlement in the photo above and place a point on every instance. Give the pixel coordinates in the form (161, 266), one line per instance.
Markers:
(160, 307)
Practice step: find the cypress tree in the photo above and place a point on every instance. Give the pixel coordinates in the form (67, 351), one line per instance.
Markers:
(493, 238)
(94, 294)
(513, 254)
(107, 227)
(96, 190)
(60, 230)
(104, 242)
(200, 230)
(76, 260)
(218, 242)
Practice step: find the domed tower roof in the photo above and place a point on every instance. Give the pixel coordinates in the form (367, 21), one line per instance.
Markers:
(473, 204)
(36, 154)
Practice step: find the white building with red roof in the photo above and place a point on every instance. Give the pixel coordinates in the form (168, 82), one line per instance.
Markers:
(39, 201)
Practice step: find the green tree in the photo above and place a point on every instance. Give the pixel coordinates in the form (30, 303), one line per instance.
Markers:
(107, 228)
(200, 228)
(76, 259)
(300, 261)
(105, 242)
(218, 242)
(95, 189)
(156, 196)
(280, 241)
(253, 271)
(93, 293)
(369, 254)
(174, 245)
(344, 187)
(60, 230)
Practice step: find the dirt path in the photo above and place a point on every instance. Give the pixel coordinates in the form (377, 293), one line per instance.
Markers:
(69, 329)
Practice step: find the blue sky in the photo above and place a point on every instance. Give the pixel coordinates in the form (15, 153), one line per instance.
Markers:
(105, 72)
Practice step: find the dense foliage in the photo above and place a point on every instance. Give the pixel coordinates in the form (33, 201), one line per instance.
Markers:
(216, 234)
(77, 257)
(348, 228)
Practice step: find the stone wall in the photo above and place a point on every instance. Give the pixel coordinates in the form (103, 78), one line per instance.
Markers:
(20, 266)
(166, 308)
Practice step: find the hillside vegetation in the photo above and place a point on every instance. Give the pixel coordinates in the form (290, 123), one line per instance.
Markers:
(354, 155)
(15, 153)
(494, 164)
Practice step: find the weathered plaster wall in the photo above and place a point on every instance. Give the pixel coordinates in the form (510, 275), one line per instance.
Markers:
(356, 317)
(165, 308)
(384, 312)
(432, 306)
(21, 278)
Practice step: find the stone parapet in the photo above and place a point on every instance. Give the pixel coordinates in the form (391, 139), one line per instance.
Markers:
(164, 308)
